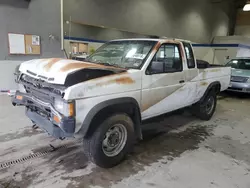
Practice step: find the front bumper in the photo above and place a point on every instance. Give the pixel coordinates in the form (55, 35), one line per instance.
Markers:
(43, 116)
(239, 87)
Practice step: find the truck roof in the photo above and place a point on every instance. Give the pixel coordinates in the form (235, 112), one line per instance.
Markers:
(163, 39)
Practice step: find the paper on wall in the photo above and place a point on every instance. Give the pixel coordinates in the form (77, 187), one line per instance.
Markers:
(35, 40)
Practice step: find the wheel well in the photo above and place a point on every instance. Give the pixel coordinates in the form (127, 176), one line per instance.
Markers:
(214, 87)
(130, 109)
(217, 88)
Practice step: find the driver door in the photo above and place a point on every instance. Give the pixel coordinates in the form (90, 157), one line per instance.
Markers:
(164, 77)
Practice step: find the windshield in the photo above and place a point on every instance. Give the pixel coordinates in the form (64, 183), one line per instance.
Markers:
(239, 64)
(124, 54)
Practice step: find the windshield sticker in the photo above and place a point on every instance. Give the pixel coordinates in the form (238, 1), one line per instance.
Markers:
(139, 56)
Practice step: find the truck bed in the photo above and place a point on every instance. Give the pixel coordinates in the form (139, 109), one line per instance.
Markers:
(201, 64)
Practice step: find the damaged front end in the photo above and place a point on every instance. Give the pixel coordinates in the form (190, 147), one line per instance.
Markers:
(45, 103)
(45, 106)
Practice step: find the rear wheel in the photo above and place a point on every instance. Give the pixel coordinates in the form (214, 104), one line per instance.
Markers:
(206, 108)
(111, 141)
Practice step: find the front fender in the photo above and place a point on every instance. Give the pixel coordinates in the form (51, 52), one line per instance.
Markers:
(87, 123)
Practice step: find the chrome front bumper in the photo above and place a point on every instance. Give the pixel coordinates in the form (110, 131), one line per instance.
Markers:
(239, 87)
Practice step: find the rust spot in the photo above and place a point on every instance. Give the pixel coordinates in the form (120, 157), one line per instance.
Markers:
(157, 46)
(121, 80)
(171, 41)
(214, 70)
(50, 63)
(153, 100)
(77, 65)
(203, 83)
(124, 80)
(182, 53)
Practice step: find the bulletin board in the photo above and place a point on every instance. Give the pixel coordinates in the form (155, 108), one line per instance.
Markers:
(32, 45)
(24, 44)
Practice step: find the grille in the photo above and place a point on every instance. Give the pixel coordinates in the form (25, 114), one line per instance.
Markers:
(239, 79)
(39, 88)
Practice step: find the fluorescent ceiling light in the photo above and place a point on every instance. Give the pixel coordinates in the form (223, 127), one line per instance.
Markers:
(246, 7)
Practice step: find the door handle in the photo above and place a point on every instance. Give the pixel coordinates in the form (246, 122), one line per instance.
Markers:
(181, 81)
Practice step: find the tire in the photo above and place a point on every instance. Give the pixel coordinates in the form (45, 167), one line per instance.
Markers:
(206, 108)
(97, 146)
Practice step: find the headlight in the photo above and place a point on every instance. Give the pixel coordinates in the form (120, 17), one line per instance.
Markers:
(65, 108)
(248, 81)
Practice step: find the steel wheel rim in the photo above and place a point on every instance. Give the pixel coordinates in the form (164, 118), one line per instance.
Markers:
(210, 105)
(114, 140)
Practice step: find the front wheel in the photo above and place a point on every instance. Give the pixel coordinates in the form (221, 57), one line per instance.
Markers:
(205, 109)
(111, 141)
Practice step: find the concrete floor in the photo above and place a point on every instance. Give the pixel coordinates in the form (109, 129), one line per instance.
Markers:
(182, 152)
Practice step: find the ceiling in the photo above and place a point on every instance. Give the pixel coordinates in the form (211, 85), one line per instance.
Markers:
(240, 3)
(236, 3)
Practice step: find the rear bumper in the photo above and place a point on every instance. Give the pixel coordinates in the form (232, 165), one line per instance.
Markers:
(66, 126)
(239, 87)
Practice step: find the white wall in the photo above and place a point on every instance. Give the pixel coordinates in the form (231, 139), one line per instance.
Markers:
(204, 53)
(208, 54)
(7, 80)
(243, 52)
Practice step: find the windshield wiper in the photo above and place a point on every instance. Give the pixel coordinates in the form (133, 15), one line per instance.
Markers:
(106, 64)
(111, 65)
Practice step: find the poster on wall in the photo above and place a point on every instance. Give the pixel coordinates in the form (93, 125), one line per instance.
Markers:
(35, 40)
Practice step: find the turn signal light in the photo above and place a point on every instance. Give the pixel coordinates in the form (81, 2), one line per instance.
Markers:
(71, 109)
(56, 119)
(19, 97)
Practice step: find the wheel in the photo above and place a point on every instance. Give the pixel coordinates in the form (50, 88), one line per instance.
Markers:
(111, 141)
(205, 109)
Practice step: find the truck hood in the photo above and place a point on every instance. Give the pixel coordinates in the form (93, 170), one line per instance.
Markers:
(56, 70)
(241, 72)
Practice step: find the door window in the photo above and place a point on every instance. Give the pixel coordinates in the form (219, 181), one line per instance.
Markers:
(166, 60)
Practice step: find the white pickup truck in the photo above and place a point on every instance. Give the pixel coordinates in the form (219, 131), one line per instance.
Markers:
(105, 99)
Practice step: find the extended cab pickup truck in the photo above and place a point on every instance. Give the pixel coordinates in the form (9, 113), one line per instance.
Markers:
(105, 98)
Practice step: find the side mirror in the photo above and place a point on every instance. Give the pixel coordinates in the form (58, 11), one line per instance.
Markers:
(156, 67)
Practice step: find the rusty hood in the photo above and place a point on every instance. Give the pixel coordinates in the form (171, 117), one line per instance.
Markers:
(60, 71)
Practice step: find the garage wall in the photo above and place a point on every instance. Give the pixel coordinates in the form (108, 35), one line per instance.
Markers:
(7, 80)
(39, 17)
(243, 51)
(232, 40)
(243, 24)
(97, 33)
(243, 30)
(204, 53)
(196, 20)
(93, 35)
